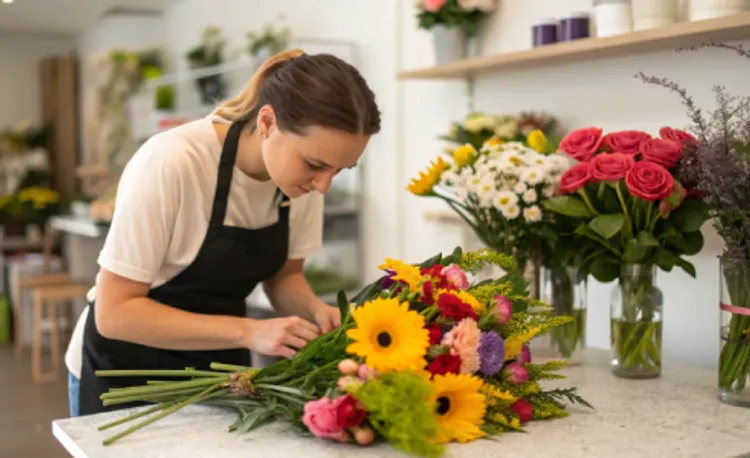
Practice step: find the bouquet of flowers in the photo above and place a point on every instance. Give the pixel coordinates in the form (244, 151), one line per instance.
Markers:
(718, 165)
(466, 14)
(632, 214)
(480, 127)
(423, 357)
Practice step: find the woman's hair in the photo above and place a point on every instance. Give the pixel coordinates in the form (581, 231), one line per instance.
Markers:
(307, 90)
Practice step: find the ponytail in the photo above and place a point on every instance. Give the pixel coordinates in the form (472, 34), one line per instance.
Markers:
(245, 103)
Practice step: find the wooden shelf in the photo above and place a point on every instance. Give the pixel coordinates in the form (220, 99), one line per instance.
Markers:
(727, 28)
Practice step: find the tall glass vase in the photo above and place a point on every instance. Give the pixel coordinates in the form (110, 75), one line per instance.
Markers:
(636, 323)
(734, 356)
(568, 297)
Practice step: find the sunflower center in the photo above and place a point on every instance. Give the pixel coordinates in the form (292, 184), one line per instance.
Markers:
(443, 405)
(384, 339)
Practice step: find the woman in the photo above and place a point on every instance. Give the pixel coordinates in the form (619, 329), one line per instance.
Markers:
(208, 210)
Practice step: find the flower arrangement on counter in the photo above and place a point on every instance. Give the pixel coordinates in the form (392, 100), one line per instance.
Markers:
(30, 205)
(717, 165)
(477, 128)
(466, 14)
(423, 357)
(633, 215)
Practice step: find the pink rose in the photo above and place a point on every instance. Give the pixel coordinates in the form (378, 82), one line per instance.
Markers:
(663, 152)
(611, 166)
(523, 409)
(625, 141)
(321, 418)
(455, 276)
(525, 355)
(582, 144)
(575, 178)
(433, 6)
(676, 135)
(649, 181)
(503, 309)
(516, 373)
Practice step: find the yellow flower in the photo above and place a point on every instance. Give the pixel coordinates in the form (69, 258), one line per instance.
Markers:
(537, 140)
(513, 344)
(427, 179)
(495, 397)
(494, 141)
(464, 155)
(460, 407)
(389, 336)
(404, 272)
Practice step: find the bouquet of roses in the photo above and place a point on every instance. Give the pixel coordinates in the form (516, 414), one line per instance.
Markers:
(632, 214)
(536, 129)
(423, 357)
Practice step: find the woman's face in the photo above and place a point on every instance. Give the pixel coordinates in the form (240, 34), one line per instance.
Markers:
(299, 164)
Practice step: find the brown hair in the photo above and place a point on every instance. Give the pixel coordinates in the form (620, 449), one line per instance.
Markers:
(307, 90)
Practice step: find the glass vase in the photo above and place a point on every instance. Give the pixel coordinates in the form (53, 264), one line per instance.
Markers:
(734, 355)
(636, 323)
(568, 297)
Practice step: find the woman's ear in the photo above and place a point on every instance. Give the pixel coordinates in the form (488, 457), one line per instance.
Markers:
(266, 121)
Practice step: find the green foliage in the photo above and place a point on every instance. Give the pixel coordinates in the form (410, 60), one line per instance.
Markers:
(400, 408)
(451, 15)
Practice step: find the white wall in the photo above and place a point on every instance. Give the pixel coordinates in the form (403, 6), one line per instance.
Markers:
(20, 55)
(602, 93)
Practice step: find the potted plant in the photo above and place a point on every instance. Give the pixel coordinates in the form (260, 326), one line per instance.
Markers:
(453, 23)
(270, 41)
(209, 53)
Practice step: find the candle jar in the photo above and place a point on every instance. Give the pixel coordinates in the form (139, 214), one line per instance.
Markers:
(575, 26)
(652, 14)
(544, 32)
(612, 17)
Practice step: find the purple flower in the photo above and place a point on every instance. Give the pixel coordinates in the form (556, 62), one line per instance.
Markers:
(388, 282)
(503, 309)
(491, 353)
(516, 373)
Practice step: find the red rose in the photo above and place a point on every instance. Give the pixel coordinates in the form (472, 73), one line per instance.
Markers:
(445, 364)
(523, 409)
(427, 293)
(348, 412)
(582, 144)
(575, 178)
(435, 333)
(625, 141)
(676, 135)
(452, 307)
(663, 152)
(649, 181)
(611, 166)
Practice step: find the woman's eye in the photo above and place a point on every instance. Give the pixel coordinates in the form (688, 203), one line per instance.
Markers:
(314, 166)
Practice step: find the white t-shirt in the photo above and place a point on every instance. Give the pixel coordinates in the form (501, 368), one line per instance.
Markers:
(163, 206)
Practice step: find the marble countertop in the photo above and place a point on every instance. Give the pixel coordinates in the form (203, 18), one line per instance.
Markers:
(677, 415)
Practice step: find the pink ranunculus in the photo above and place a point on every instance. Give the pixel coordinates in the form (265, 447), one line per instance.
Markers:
(516, 373)
(456, 276)
(575, 178)
(625, 141)
(525, 356)
(582, 144)
(503, 309)
(611, 166)
(677, 135)
(433, 6)
(321, 418)
(664, 152)
(649, 181)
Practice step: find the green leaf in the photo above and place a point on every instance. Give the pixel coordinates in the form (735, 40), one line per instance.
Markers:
(666, 260)
(693, 243)
(343, 304)
(607, 225)
(688, 267)
(634, 252)
(568, 206)
(690, 216)
(604, 268)
(647, 239)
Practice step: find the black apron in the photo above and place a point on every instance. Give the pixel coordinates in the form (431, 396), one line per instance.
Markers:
(229, 265)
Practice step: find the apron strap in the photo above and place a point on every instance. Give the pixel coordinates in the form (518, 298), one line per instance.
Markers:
(226, 170)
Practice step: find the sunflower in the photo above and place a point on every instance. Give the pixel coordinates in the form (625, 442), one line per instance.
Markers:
(404, 272)
(389, 336)
(423, 184)
(460, 407)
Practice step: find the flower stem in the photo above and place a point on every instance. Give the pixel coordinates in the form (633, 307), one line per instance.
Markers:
(586, 199)
(134, 416)
(163, 388)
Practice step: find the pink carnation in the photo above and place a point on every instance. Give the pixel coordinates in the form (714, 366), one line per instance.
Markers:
(456, 276)
(463, 340)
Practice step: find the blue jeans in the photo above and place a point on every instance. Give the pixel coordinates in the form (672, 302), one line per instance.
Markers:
(74, 389)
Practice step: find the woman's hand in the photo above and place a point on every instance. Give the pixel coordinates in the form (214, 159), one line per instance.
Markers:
(327, 317)
(279, 336)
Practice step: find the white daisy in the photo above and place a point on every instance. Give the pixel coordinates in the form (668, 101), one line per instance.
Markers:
(504, 199)
(532, 214)
(511, 212)
(520, 187)
(530, 196)
(533, 175)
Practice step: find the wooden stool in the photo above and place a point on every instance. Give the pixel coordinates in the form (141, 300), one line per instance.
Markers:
(48, 297)
(30, 282)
